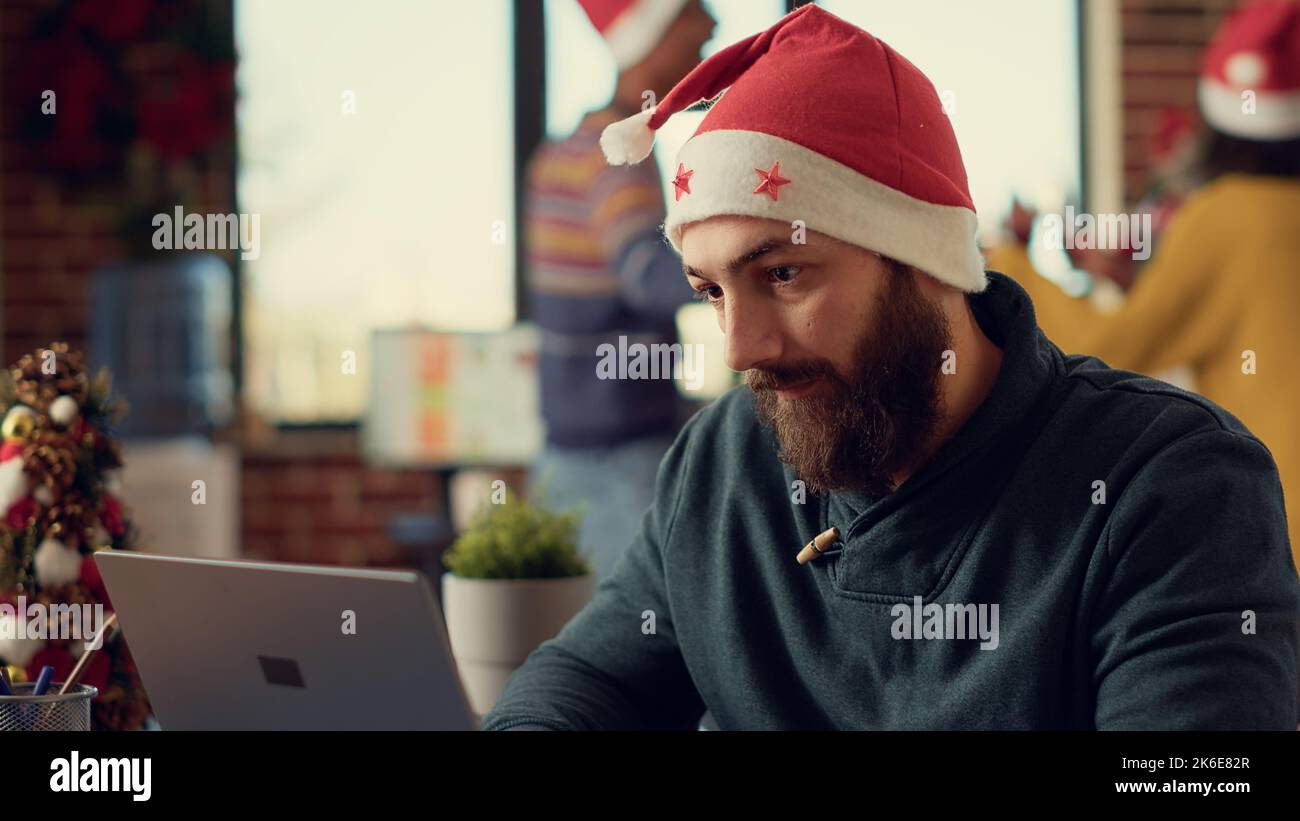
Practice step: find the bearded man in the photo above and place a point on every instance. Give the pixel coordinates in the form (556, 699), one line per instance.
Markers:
(918, 513)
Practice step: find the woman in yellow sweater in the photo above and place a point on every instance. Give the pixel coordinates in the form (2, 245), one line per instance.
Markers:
(1221, 295)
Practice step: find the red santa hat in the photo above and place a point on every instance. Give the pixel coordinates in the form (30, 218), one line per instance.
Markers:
(824, 123)
(1257, 49)
(632, 28)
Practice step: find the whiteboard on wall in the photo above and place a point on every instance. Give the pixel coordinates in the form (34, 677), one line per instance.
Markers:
(453, 399)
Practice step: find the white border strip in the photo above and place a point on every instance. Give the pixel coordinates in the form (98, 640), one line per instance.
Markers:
(829, 197)
(1276, 117)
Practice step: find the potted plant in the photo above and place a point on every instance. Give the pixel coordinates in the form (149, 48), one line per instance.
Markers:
(516, 578)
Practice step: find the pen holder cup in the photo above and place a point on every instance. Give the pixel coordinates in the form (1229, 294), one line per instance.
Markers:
(24, 712)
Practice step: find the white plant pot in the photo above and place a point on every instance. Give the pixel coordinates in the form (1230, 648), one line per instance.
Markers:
(493, 625)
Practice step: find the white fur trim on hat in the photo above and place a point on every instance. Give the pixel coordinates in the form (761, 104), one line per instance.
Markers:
(636, 32)
(829, 197)
(1276, 115)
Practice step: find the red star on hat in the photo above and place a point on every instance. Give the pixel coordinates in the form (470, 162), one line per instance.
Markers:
(771, 180)
(682, 182)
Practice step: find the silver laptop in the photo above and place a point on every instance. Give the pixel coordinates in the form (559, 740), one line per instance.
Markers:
(244, 645)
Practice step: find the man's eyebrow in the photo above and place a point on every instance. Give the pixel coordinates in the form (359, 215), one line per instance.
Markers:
(764, 247)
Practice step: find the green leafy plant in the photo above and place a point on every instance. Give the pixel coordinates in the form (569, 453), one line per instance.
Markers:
(518, 540)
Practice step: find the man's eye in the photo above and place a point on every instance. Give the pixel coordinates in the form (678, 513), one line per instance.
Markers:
(711, 294)
(784, 274)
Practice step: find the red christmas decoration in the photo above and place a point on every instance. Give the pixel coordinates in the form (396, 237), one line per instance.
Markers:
(21, 513)
(771, 181)
(682, 182)
(56, 512)
(111, 515)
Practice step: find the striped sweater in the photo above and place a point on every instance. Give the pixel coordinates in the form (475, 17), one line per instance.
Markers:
(598, 268)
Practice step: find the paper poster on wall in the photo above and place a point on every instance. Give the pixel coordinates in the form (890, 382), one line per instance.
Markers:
(453, 399)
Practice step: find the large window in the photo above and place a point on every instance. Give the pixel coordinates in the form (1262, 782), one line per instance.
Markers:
(376, 143)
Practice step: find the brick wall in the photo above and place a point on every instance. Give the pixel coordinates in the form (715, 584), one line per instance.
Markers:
(307, 497)
(48, 245)
(1160, 61)
(52, 238)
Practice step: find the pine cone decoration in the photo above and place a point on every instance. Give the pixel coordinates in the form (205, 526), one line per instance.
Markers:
(72, 520)
(36, 387)
(50, 459)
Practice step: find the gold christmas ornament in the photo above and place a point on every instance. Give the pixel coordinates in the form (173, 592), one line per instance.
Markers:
(19, 423)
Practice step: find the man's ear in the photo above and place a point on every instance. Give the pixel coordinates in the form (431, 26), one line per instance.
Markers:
(932, 288)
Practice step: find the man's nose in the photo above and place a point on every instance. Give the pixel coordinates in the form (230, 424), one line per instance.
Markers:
(753, 337)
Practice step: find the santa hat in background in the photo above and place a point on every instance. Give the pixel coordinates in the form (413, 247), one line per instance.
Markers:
(820, 122)
(1257, 49)
(632, 28)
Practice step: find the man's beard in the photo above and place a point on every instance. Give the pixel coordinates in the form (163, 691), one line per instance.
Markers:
(857, 435)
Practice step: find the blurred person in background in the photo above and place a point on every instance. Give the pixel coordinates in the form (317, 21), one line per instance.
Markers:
(1221, 293)
(598, 269)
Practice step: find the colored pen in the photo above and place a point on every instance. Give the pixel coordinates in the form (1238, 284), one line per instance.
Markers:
(43, 680)
(86, 653)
